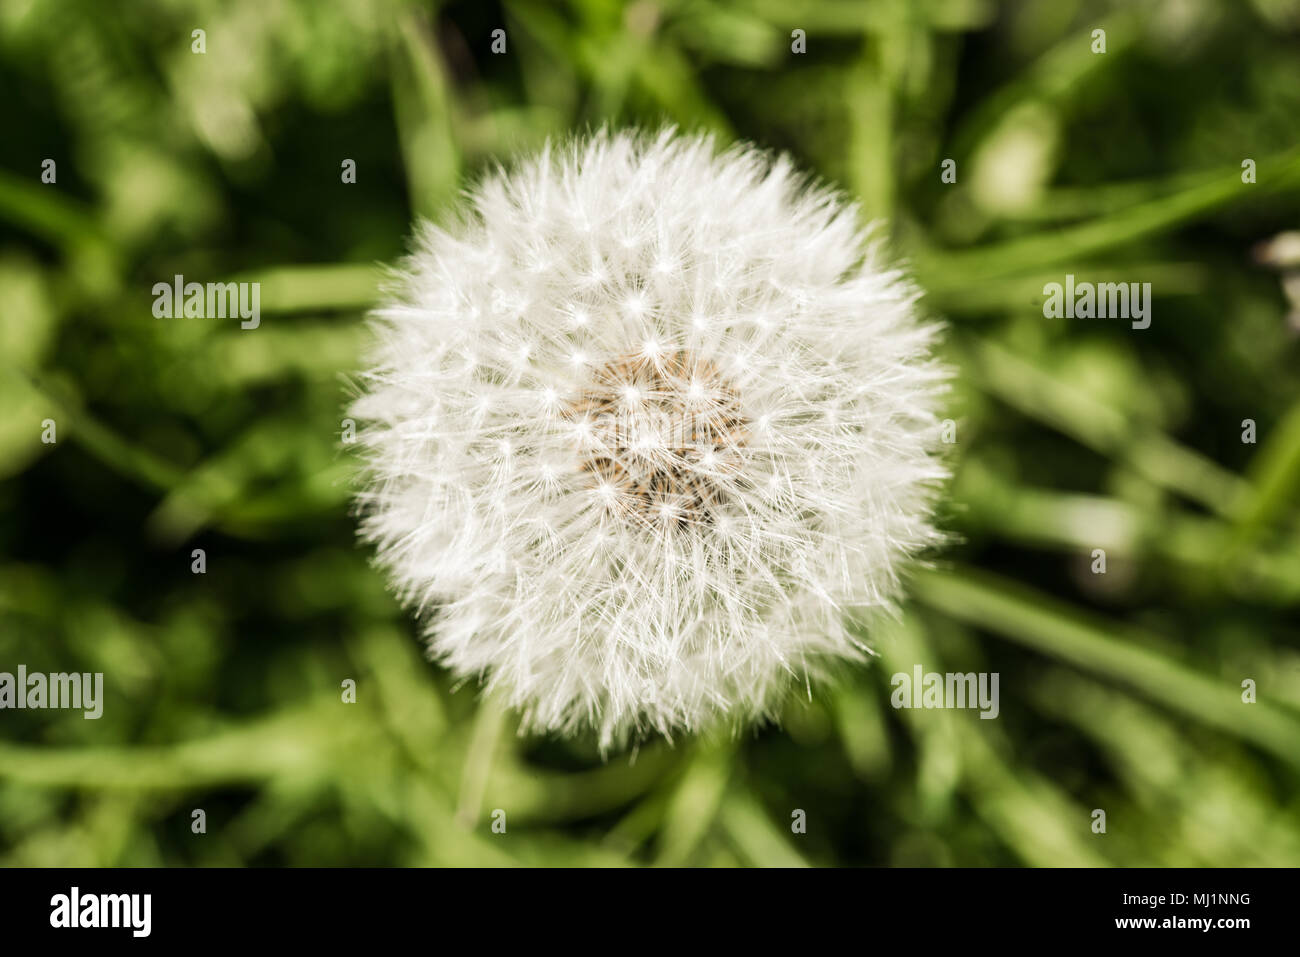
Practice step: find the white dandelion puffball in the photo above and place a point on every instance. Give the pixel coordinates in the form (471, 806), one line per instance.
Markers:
(639, 429)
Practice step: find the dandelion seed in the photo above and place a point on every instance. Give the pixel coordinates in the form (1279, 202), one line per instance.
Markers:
(648, 511)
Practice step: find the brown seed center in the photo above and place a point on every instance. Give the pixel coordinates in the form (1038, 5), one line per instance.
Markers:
(661, 437)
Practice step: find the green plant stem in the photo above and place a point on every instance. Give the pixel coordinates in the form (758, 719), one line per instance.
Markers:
(1112, 650)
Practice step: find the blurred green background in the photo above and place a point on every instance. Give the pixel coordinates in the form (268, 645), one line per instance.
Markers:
(1119, 691)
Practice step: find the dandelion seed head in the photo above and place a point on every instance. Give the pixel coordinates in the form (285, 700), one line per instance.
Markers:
(642, 429)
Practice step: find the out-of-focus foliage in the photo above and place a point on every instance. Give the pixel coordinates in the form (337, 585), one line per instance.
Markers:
(1119, 691)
